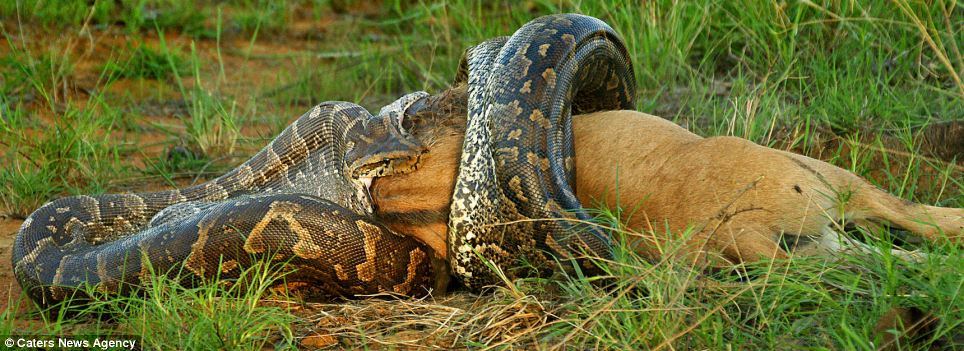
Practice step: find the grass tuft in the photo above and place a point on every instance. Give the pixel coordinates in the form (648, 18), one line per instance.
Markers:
(149, 63)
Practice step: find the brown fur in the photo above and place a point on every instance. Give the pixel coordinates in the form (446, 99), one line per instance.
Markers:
(742, 201)
(901, 327)
(417, 204)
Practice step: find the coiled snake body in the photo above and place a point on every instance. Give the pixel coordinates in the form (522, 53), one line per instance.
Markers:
(517, 160)
(301, 199)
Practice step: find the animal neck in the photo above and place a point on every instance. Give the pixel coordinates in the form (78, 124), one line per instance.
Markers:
(417, 204)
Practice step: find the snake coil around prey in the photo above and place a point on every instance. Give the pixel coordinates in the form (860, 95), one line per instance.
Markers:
(303, 198)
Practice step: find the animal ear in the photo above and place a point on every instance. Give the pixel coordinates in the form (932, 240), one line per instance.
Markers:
(405, 124)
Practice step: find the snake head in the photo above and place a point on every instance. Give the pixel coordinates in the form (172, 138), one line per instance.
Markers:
(382, 146)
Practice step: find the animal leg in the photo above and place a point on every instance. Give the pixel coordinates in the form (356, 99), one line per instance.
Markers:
(737, 241)
(930, 222)
(751, 242)
(832, 242)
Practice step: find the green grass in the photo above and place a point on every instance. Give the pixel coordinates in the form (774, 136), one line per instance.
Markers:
(802, 304)
(213, 316)
(213, 124)
(166, 316)
(149, 63)
(852, 83)
(73, 153)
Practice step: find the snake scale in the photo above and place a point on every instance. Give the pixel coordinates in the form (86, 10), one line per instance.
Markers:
(513, 196)
(303, 198)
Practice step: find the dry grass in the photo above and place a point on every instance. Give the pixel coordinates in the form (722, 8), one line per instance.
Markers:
(447, 322)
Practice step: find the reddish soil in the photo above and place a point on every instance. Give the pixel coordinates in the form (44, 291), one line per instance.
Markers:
(9, 289)
(155, 109)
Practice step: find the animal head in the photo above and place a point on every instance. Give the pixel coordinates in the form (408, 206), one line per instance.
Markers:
(381, 146)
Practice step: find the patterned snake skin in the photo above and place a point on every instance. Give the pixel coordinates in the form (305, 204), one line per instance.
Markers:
(517, 160)
(302, 199)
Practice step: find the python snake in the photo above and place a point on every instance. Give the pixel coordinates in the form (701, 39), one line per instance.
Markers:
(301, 200)
(513, 196)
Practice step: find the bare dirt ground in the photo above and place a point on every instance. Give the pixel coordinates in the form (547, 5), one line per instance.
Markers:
(8, 283)
(152, 105)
